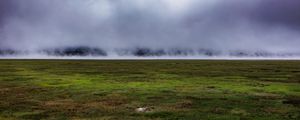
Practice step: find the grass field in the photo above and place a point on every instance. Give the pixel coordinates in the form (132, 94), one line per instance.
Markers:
(162, 89)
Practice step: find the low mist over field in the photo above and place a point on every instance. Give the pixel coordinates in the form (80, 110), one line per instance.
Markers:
(143, 28)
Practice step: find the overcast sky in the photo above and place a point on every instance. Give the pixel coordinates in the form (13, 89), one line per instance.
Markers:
(271, 25)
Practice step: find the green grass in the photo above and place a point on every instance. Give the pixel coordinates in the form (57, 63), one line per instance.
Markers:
(170, 89)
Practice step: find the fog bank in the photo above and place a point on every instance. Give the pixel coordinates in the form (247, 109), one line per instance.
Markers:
(253, 28)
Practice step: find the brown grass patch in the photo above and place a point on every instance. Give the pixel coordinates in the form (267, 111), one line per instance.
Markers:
(276, 110)
(268, 95)
(114, 100)
(185, 104)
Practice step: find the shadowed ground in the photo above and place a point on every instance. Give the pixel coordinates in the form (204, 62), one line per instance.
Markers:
(162, 89)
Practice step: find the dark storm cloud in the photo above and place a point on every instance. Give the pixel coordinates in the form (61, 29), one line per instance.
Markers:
(282, 12)
(271, 25)
(5, 9)
(265, 12)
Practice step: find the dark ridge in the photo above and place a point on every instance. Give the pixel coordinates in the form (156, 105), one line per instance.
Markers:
(251, 54)
(75, 51)
(241, 53)
(172, 52)
(9, 52)
(180, 52)
(207, 52)
(145, 52)
(148, 52)
(141, 52)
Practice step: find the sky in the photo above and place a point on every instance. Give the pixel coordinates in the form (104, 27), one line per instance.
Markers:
(253, 25)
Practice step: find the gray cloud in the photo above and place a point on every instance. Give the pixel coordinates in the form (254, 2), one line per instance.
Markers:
(271, 25)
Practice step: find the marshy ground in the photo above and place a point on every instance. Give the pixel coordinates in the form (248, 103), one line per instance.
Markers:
(158, 89)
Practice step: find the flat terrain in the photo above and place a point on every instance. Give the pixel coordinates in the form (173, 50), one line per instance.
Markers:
(162, 89)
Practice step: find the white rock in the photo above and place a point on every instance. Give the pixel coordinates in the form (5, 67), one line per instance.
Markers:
(141, 109)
